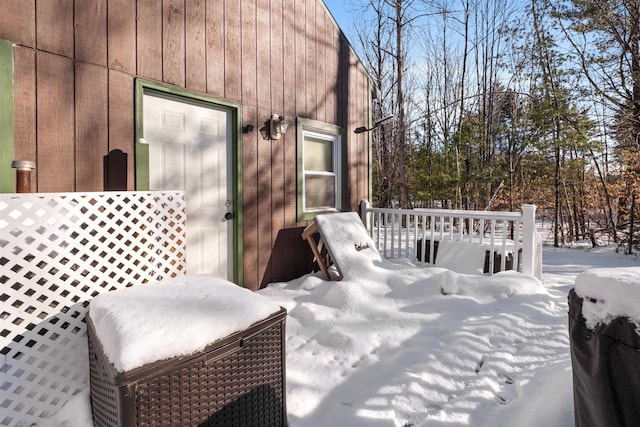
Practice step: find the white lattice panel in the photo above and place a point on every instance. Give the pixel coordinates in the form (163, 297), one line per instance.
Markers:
(57, 251)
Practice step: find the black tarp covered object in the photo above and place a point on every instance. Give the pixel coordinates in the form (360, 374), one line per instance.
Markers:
(606, 370)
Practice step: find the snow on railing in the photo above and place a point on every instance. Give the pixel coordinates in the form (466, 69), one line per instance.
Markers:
(57, 251)
(510, 238)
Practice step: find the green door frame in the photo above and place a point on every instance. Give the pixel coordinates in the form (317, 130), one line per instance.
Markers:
(143, 86)
(7, 174)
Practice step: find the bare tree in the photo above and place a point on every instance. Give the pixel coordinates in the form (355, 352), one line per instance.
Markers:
(605, 37)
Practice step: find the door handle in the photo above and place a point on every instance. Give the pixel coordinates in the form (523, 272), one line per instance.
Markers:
(229, 216)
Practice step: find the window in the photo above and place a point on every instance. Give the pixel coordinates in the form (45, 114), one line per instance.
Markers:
(320, 168)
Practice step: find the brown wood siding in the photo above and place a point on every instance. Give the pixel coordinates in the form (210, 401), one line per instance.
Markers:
(54, 32)
(18, 21)
(149, 39)
(24, 94)
(55, 122)
(228, 75)
(173, 42)
(121, 27)
(75, 66)
(91, 31)
(121, 118)
(196, 46)
(287, 240)
(300, 49)
(92, 120)
(250, 201)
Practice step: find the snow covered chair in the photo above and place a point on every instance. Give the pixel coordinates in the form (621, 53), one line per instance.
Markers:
(341, 239)
(461, 257)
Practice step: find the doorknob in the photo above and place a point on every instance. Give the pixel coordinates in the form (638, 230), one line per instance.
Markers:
(229, 216)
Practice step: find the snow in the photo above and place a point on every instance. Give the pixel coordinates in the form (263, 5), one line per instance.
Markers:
(461, 257)
(177, 317)
(351, 247)
(403, 346)
(609, 293)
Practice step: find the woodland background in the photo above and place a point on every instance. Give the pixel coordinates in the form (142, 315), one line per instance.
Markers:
(497, 103)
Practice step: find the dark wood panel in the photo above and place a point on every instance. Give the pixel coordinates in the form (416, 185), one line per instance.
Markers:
(290, 237)
(364, 146)
(250, 202)
(24, 107)
(342, 93)
(288, 62)
(121, 118)
(91, 31)
(55, 126)
(121, 27)
(18, 21)
(353, 146)
(265, 216)
(360, 146)
(173, 42)
(321, 54)
(300, 59)
(215, 45)
(278, 190)
(92, 129)
(331, 75)
(249, 53)
(277, 58)
(263, 63)
(196, 47)
(54, 30)
(311, 61)
(232, 79)
(149, 39)
(277, 264)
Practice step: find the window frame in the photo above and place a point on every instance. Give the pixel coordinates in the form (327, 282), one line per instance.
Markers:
(326, 131)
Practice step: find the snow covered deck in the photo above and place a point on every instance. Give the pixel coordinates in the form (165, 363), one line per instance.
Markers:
(59, 251)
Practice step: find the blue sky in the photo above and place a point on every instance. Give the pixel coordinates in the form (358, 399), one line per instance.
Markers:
(341, 11)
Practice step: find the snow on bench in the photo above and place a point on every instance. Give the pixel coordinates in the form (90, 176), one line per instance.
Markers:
(177, 317)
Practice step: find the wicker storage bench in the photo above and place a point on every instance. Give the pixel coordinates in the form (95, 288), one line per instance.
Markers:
(235, 381)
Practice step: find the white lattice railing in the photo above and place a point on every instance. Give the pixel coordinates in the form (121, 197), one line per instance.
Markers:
(57, 251)
(409, 233)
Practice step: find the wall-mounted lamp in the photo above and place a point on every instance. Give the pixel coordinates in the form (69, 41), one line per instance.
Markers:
(274, 128)
(377, 123)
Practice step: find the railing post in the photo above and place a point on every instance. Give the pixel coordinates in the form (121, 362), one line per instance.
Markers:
(364, 210)
(531, 250)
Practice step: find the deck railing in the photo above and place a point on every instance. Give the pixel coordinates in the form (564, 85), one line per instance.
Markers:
(510, 238)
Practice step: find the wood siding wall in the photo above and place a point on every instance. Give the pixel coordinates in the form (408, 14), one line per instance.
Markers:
(75, 62)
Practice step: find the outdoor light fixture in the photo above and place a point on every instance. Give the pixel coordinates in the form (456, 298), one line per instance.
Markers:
(377, 123)
(274, 128)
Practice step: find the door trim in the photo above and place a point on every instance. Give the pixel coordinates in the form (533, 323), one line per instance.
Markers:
(144, 86)
(7, 174)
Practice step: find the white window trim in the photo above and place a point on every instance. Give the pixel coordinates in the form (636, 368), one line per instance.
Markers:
(328, 132)
(337, 174)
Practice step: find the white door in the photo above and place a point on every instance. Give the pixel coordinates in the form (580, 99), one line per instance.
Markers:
(189, 146)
